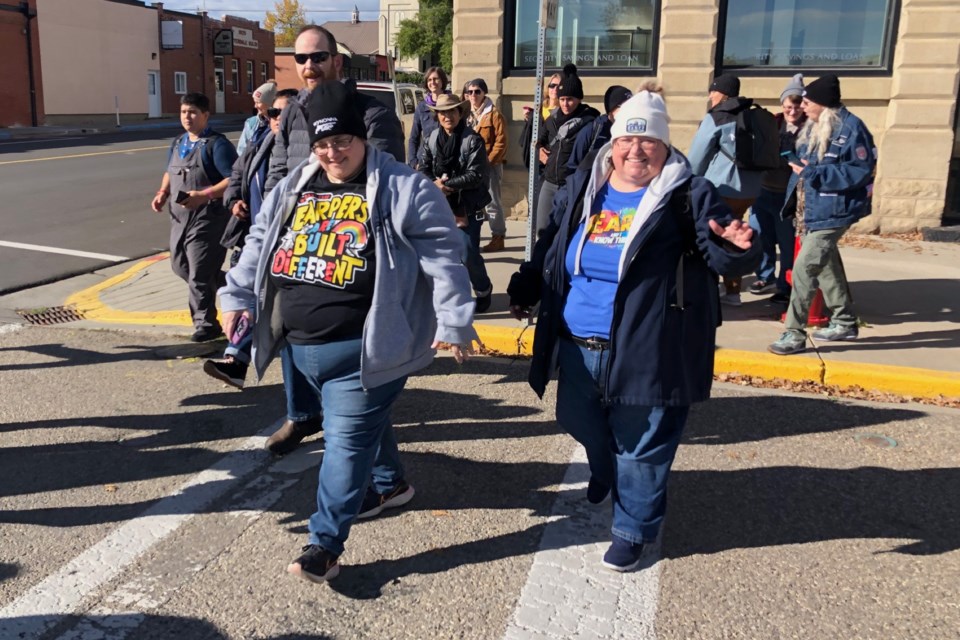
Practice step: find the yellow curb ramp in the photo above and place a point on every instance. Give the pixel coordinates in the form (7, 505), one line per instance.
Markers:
(510, 341)
(906, 381)
(88, 302)
(768, 366)
(518, 341)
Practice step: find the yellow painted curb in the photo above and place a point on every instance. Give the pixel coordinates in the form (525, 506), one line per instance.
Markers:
(768, 366)
(88, 302)
(511, 341)
(906, 381)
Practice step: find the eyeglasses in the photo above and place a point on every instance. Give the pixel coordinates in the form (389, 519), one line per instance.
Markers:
(553, 85)
(273, 112)
(317, 57)
(341, 143)
(473, 92)
(626, 143)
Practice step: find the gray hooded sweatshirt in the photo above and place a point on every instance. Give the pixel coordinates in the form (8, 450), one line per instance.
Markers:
(421, 289)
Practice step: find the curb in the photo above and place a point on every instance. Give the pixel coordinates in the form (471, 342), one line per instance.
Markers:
(88, 302)
(518, 341)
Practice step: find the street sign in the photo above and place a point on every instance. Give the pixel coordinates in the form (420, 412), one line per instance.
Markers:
(548, 13)
(223, 43)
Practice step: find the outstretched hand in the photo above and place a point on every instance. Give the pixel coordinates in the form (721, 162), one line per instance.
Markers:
(737, 233)
(460, 352)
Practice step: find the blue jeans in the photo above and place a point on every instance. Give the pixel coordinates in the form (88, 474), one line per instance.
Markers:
(630, 448)
(302, 402)
(241, 350)
(473, 260)
(774, 233)
(361, 447)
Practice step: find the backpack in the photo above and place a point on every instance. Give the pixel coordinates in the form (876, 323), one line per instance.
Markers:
(757, 140)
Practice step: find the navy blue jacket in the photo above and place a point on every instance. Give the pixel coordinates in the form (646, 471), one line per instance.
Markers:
(589, 138)
(423, 125)
(835, 188)
(660, 354)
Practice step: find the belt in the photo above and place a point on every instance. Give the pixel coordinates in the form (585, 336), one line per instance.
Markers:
(591, 344)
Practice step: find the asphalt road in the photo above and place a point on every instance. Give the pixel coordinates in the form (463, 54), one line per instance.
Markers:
(135, 503)
(88, 194)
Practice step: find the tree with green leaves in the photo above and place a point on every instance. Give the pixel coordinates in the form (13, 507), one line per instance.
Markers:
(286, 20)
(429, 34)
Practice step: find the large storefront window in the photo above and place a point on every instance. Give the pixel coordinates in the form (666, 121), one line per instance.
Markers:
(617, 34)
(819, 34)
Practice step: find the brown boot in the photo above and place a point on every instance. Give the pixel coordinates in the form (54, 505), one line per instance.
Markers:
(495, 244)
(288, 436)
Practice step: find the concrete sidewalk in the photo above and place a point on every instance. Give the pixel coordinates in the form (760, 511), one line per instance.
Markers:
(906, 292)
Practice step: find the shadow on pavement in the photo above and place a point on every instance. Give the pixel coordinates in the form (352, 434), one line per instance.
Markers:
(714, 511)
(729, 420)
(134, 625)
(8, 570)
(72, 357)
(894, 302)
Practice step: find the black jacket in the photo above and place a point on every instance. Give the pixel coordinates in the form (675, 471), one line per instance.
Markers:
(558, 135)
(661, 352)
(238, 189)
(472, 181)
(292, 147)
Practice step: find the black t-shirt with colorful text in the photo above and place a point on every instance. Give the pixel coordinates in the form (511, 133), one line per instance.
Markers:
(323, 264)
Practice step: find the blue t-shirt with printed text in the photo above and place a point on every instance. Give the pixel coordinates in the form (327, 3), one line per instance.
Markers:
(588, 311)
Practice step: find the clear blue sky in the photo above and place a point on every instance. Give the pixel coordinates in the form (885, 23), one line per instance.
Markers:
(256, 9)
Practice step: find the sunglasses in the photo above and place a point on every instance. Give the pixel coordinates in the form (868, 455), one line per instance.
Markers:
(317, 57)
(273, 112)
(473, 92)
(553, 85)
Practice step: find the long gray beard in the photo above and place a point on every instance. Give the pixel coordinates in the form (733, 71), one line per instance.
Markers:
(816, 136)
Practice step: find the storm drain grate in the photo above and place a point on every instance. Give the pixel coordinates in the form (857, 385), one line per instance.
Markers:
(50, 315)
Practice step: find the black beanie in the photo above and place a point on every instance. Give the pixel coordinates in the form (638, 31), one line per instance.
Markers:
(615, 96)
(825, 91)
(570, 85)
(332, 110)
(727, 84)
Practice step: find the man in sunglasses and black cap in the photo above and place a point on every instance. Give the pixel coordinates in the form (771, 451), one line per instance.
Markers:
(317, 62)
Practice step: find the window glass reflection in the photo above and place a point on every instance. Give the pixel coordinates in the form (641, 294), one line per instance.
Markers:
(589, 33)
(806, 33)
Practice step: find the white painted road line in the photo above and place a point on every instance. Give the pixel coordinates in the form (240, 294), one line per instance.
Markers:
(61, 593)
(568, 593)
(63, 252)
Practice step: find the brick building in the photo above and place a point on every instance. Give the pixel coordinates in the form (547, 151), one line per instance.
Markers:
(21, 91)
(225, 59)
(898, 61)
(98, 62)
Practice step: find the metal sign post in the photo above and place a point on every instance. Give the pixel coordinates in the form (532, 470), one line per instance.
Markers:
(548, 20)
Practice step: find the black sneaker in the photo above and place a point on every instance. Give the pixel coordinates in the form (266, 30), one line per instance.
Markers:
(374, 503)
(759, 287)
(229, 370)
(622, 555)
(206, 335)
(596, 491)
(779, 299)
(315, 564)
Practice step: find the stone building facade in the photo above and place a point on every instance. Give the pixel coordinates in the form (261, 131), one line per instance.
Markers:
(909, 100)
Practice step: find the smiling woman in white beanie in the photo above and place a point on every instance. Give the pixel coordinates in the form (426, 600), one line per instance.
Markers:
(626, 278)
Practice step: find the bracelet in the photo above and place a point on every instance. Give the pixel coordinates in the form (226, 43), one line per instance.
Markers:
(161, 192)
(206, 194)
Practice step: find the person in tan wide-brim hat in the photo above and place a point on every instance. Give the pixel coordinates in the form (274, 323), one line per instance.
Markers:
(448, 101)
